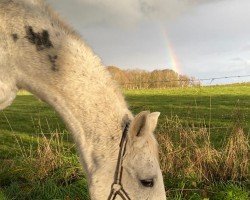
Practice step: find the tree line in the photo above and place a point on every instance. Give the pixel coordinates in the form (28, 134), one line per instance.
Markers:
(142, 79)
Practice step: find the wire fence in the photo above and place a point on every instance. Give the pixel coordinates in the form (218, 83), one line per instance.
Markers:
(140, 84)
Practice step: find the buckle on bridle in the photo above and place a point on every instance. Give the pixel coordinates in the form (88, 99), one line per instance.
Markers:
(116, 187)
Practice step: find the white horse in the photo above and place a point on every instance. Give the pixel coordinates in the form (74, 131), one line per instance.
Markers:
(41, 54)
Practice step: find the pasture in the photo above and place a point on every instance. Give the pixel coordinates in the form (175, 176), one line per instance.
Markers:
(38, 159)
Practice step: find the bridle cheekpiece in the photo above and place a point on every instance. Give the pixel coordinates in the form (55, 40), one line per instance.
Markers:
(117, 188)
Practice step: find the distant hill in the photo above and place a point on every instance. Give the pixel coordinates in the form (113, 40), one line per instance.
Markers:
(131, 79)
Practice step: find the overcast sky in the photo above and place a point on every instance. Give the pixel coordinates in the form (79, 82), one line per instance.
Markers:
(201, 38)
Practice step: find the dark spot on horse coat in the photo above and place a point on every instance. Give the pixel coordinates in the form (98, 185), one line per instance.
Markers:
(53, 59)
(40, 39)
(14, 37)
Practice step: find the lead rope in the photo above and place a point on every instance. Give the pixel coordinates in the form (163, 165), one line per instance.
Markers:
(117, 188)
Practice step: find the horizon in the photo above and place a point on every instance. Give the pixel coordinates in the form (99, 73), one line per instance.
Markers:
(208, 81)
(203, 39)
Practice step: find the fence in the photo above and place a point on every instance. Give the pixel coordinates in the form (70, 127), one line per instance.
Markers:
(140, 84)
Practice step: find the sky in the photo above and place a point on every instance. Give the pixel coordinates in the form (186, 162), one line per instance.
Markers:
(200, 38)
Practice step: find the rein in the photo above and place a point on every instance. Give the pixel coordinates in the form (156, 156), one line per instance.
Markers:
(117, 188)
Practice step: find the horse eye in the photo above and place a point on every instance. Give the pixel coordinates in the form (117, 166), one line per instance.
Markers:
(147, 182)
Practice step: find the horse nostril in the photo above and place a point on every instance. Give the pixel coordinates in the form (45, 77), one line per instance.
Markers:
(147, 182)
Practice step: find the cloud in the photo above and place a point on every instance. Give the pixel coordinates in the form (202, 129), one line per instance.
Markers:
(241, 64)
(246, 48)
(124, 12)
(236, 59)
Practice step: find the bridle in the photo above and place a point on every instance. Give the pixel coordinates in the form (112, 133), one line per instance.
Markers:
(117, 188)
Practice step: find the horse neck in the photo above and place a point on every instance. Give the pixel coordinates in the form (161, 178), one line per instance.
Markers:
(86, 98)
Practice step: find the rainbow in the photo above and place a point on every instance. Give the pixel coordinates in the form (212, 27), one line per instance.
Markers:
(172, 59)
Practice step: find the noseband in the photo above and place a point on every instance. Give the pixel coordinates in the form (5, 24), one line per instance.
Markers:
(117, 188)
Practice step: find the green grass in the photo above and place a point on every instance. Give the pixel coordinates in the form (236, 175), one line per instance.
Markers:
(218, 108)
(215, 107)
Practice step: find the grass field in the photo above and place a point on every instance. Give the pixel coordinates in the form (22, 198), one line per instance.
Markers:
(33, 167)
(215, 107)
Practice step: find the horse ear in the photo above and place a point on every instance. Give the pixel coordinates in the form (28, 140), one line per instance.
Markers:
(138, 125)
(152, 120)
(144, 123)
